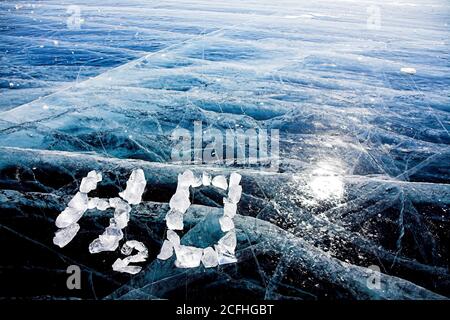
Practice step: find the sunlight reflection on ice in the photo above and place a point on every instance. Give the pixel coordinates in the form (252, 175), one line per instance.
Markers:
(326, 182)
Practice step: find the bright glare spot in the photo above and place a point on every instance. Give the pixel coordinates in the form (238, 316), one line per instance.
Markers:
(326, 183)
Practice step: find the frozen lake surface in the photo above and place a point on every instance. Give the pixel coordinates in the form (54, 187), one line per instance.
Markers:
(364, 168)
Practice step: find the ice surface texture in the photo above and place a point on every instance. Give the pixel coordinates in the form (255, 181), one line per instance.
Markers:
(364, 171)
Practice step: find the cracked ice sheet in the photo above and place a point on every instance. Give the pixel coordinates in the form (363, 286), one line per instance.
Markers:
(349, 119)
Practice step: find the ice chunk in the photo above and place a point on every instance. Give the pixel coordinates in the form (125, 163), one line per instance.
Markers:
(102, 204)
(93, 203)
(226, 223)
(108, 241)
(224, 256)
(68, 217)
(93, 174)
(180, 201)
(408, 70)
(119, 264)
(128, 247)
(186, 179)
(188, 257)
(228, 241)
(89, 183)
(229, 208)
(79, 202)
(173, 237)
(174, 220)
(138, 257)
(234, 193)
(210, 258)
(220, 182)
(122, 214)
(113, 202)
(135, 187)
(235, 179)
(122, 266)
(97, 246)
(206, 179)
(64, 236)
(166, 250)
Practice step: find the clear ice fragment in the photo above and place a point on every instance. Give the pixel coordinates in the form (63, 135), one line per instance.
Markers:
(108, 241)
(235, 179)
(186, 179)
(180, 201)
(226, 223)
(113, 202)
(224, 256)
(234, 193)
(135, 187)
(68, 216)
(122, 214)
(102, 204)
(174, 220)
(173, 237)
(93, 203)
(166, 251)
(122, 266)
(220, 182)
(229, 208)
(138, 257)
(64, 236)
(89, 183)
(188, 257)
(210, 258)
(79, 202)
(228, 241)
(133, 244)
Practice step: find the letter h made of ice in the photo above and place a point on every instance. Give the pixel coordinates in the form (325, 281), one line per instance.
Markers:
(109, 240)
